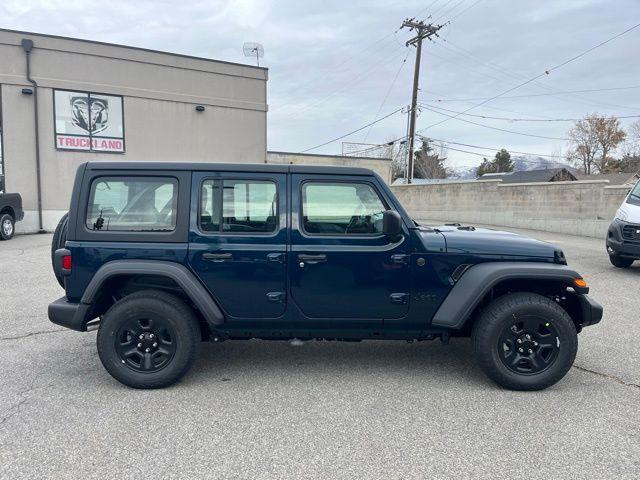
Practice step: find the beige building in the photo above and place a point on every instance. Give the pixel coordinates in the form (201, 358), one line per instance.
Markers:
(382, 166)
(90, 101)
(97, 101)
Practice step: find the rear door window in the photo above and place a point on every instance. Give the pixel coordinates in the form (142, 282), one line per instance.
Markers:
(132, 204)
(238, 206)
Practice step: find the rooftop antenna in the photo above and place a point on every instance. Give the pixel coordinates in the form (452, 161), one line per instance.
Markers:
(252, 49)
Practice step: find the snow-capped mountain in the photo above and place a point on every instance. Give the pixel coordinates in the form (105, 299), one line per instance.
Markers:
(520, 163)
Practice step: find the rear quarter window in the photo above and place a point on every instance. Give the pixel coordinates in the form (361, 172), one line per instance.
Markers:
(132, 204)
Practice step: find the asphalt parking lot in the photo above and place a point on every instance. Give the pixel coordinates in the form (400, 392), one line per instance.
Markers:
(387, 410)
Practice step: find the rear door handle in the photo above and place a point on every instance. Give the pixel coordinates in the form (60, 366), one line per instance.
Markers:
(312, 259)
(275, 257)
(217, 257)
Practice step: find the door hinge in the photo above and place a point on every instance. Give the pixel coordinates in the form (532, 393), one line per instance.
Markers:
(276, 297)
(399, 298)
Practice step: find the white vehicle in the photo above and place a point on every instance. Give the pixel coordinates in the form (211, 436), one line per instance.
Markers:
(623, 238)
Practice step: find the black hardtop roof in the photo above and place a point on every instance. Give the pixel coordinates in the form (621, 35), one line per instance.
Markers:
(230, 167)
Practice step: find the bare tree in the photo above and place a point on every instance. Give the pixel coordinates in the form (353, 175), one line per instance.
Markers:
(593, 140)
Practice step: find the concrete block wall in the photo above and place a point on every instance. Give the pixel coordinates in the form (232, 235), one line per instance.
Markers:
(583, 208)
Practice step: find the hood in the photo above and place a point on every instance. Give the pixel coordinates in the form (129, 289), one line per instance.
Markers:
(629, 212)
(484, 241)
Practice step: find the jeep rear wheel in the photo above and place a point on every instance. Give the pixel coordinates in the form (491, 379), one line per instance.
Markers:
(7, 227)
(58, 241)
(148, 339)
(620, 262)
(525, 341)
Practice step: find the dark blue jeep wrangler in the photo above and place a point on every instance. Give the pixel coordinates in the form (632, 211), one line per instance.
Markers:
(161, 256)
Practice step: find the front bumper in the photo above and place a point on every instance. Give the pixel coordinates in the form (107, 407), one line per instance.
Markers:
(618, 244)
(68, 314)
(590, 309)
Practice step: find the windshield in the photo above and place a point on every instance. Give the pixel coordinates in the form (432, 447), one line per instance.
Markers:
(634, 195)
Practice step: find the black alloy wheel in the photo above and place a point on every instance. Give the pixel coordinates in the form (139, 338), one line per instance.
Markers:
(528, 346)
(145, 344)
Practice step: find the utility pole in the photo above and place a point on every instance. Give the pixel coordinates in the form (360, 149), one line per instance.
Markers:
(422, 31)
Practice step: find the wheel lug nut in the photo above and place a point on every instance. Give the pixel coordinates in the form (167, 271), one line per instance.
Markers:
(535, 344)
(139, 345)
(147, 350)
(151, 335)
(519, 340)
(155, 344)
(520, 350)
(141, 336)
(530, 351)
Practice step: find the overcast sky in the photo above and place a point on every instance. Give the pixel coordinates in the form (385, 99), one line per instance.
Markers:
(332, 64)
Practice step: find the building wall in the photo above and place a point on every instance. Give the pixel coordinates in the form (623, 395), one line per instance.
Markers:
(160, 93)
(382, 166)
(583, 208)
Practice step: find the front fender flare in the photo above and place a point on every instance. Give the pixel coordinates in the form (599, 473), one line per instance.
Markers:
(478, 280)
(175, 271)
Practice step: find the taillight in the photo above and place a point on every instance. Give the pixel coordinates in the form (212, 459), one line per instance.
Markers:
(66, 262)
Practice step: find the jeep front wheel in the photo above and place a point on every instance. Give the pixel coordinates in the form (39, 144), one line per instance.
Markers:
(148, 339)
(525, 341)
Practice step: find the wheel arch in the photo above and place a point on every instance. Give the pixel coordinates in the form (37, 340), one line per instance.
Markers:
(8, 210)
(122, 277)
(484, 282)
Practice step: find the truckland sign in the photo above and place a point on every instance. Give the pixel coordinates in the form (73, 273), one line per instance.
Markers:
(88, 121)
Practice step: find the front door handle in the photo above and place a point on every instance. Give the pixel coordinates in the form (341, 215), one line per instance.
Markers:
(399, 298)
(217, 257)
(312, 259)
(400, 259)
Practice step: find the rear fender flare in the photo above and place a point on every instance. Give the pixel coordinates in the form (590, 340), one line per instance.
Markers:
(183, 277)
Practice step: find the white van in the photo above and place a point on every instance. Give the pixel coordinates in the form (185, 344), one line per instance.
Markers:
(623, 238)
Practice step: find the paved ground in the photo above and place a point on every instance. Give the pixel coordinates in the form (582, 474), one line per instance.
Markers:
(323, 410)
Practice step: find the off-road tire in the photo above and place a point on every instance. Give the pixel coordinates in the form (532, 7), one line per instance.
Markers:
(58, 241)
(150, 304)
(497, 317)
(7, 219)
(620, 262)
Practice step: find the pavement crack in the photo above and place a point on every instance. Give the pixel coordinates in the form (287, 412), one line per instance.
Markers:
(31, 334)
(25, 396)
(608, 376)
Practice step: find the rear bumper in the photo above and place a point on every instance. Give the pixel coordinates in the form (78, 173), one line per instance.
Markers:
(68, 314)
(591, 310)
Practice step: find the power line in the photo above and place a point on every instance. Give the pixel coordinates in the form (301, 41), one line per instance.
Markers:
(299, 110)
(465, 10)
(456, 117)
(546, 72)
(322, 78)
(590, 90)
(488, 117)
(519, 77)
(354, 131)
(384, 100)
(495, 149)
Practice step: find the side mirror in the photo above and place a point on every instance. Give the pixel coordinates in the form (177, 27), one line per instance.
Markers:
(391, 223)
